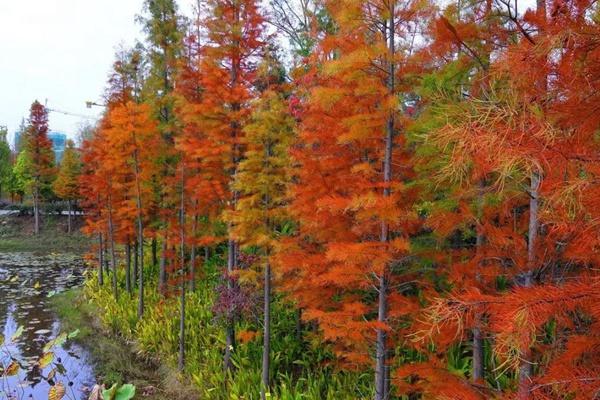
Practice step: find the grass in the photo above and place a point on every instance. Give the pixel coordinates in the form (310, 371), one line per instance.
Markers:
(115, 360)
(16, 235)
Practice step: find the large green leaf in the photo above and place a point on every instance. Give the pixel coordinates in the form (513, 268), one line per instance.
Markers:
(125, 392)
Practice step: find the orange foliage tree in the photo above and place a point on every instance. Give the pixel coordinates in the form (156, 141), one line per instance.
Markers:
(351, 197)
(40, 157)
(235, 39)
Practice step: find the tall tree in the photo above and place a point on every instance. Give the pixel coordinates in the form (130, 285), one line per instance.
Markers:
(66, 185)
(164, 30)
(41, 158)
(235, 30)
(355, 211)
(5, 160)
(262, 180)
(134, 133)
(302, 22)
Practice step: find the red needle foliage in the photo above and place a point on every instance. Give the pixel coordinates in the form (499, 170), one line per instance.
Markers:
(341, 198)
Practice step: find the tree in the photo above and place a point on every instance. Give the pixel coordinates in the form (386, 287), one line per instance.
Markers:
(262, 180)
(21, 176)
(66, 185)
(133, 131)
(41, 158)
(235, 31)
(351, 197)
(164, 29)
(5, 160)
(535, 148)
(302, 21)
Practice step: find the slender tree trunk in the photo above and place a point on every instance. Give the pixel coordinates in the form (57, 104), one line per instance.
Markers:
(193, 255)
(478, 359)
(162, 273)
(106, 256)
(381, 367)
(193, 268)
(100, 260)
(230, 330)
(36, 212)
(478, 365)
(526, 366)
(141, 267)
(128, 267)
(299, 325)
(111, 238)
(136, 257)
(526, 370)
(69, 217)
(140, 231)
(154, 252)
(231, 245)
(266, 355)
(183, 274)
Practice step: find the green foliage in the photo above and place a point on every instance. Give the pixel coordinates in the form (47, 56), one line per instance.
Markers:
(5, 161)
(22, 177)
(124, 392)
(66, 185)
(303, 369)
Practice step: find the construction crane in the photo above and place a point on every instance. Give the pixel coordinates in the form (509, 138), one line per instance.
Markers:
(69, 113)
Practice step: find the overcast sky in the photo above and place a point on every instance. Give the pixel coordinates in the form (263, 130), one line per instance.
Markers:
(61, 51)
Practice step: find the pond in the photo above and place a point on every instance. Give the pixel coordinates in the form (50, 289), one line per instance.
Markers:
(34, 353)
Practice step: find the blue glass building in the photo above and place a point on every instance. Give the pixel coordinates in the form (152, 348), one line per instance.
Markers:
(58, 139)
(59, 143)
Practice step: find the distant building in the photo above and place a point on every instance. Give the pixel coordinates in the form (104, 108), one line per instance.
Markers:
(58, 139)
(59, 143)
(19, 135)
(17, 143)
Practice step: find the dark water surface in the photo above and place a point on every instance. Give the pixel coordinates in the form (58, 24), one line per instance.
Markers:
(27, 282)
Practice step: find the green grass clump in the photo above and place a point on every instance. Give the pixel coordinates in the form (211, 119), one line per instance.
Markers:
(301, 369)
(115, 360)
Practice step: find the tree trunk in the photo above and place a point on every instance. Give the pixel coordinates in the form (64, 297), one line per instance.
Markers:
(526, 369)
(69, 217)
(193, 254)
(154, 252)
(128, 267)
(100, 260)
(36, 213)
(299, 325)
(162, 273)
(381, 367)
(266, 355)
(181, 360)
(136, 258)
(478, 359)
(193, 267)
(478, 365)
(106, 257)
(141, 268)
(111, 233)
(230, 330)
(140, 231)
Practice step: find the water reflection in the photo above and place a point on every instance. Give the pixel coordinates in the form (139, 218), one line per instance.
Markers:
(26, 282)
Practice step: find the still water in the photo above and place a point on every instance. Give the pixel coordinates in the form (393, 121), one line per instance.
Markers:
(35, 354)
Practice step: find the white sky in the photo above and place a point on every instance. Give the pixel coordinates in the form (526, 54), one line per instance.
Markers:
(62, 51)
